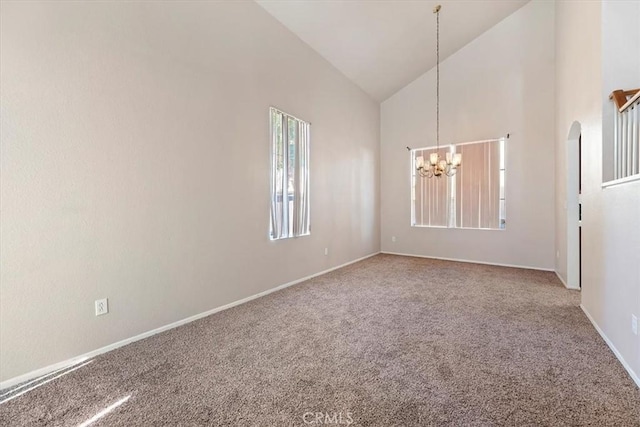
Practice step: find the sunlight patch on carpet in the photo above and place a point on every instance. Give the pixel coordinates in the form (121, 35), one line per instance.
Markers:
(13, 393)
(104, 412)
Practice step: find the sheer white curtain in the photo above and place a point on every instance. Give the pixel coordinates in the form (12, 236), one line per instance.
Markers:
(289, 176)
(302, 219)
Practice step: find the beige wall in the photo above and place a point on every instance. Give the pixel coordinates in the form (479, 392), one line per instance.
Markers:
(611, 238)
(500, 83)
(578, 56)
(620, 62)
(135, 166)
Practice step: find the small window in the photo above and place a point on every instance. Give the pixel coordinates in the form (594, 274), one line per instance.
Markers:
(473, 198)
(289, 176)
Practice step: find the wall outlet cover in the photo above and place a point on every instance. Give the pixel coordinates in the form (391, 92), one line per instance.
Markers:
(102, 306)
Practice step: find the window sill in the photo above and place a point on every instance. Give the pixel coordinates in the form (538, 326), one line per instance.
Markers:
(457, 228)
(621, 181)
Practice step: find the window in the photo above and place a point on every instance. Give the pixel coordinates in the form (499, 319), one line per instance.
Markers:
(473, 198)
(289, 176)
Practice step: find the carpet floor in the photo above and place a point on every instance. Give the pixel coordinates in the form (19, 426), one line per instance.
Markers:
(389, 341)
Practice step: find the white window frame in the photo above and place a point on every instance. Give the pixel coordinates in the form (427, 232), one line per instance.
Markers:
(294, 221)
(452, 186)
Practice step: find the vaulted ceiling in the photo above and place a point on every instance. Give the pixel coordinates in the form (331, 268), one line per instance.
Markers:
(383, 45)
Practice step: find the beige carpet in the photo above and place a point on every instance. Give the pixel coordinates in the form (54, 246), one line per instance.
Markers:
(390, 341)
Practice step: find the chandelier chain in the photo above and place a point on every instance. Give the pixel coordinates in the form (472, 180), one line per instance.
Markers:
(438, 80)
(435, 165)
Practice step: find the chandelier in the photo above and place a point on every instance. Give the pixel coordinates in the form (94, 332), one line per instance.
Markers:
(452, 161)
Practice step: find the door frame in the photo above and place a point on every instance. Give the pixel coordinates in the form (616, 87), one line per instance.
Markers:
(573, 206)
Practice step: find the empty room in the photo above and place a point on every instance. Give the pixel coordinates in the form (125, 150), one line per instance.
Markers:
(319, 212)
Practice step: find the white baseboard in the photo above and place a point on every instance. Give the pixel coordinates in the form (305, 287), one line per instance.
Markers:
(613, 348)
(81, 358)
(562, 280)
(573, 288)
(469, 261)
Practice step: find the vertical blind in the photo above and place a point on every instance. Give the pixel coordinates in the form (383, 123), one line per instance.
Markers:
(473, 198)
(432, 196)
(289, 176)
(477, 186)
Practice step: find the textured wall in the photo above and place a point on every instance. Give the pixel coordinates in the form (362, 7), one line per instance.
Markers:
(500, 83)
(135, 166)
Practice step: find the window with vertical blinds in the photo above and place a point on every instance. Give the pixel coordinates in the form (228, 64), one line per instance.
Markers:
(473, 198)
(289, 176)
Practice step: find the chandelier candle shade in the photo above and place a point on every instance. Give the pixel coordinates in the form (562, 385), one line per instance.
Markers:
(452, 161)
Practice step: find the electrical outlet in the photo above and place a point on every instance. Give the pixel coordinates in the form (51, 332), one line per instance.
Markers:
(634, 324)
(393, 238)
(558, 254)
(326, 251)
(102, 306)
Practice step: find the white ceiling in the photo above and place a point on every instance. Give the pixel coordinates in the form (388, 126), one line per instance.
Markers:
(383, 45)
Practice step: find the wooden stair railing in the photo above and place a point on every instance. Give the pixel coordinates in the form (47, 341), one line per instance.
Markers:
(621, 98)
(626, 133)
